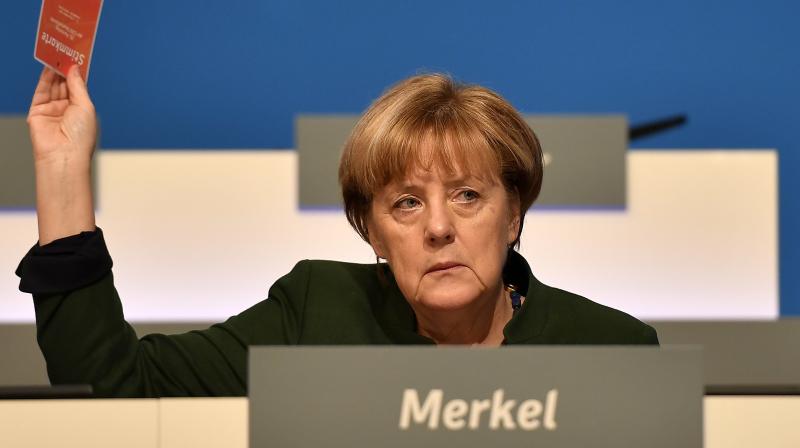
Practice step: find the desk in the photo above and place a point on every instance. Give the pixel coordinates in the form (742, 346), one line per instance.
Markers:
(730, 422)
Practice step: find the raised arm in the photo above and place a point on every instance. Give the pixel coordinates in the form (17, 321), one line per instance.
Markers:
(80, 324)
(63, 128)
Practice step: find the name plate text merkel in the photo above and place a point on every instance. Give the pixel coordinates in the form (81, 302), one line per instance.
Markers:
(475, 397)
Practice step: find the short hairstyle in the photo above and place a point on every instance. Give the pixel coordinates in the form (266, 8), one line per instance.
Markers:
(470, 128)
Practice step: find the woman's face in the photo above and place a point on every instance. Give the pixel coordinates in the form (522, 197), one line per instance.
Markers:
(445, 236)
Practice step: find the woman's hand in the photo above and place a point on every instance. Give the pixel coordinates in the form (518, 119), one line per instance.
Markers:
(63, 128)
(62, 120)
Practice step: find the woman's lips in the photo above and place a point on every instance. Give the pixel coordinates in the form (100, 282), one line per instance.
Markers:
(444, 267)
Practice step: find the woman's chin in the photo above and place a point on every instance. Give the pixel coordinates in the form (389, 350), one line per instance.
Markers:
(449, 295)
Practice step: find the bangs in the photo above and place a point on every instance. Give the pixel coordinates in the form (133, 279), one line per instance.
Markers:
(449, 144)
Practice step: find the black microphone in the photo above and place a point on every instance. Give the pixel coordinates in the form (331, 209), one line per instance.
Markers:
(654, 127)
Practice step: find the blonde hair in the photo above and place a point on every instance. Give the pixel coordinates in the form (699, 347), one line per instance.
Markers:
(469, 127)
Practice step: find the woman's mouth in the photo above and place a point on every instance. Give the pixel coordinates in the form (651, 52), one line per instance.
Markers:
(444, 267)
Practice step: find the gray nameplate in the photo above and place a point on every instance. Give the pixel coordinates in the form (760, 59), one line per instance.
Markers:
(17, 181)
(585, 165)
(473, 397)
(17, 173)
(585, 160)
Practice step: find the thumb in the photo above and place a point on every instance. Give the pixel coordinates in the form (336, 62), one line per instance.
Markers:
(77, 88)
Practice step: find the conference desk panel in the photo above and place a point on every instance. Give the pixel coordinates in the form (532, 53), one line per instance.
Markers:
(730, 422)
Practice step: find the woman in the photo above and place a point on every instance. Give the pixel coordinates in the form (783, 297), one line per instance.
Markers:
(436, 177)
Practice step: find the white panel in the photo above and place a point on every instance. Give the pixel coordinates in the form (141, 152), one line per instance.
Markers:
(202, 235)
(203, 422)
(698, 240)
(746, 422)
(730, 422)
(79, 423)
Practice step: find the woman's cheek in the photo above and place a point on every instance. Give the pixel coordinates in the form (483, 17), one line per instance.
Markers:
(405, 277)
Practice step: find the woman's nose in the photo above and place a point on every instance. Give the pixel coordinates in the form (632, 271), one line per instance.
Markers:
(439, 227)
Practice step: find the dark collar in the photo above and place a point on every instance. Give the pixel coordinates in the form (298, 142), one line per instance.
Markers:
(531, 318)
(400, 324)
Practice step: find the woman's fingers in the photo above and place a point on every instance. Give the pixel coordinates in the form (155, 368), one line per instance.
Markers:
(77, 88)
(54, 90)
(42, 92)
(62, 90)
(52, 87)
(51, 109)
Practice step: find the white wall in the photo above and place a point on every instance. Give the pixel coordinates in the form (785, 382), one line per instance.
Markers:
(202, 235)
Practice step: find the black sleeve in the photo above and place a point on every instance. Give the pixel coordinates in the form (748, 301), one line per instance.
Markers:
(85, 339)
(65, 264)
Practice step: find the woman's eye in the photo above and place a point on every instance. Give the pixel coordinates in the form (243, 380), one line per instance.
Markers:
(467, 196)
(407, 203)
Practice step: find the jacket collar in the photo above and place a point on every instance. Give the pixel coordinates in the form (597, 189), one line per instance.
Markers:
(531, 318)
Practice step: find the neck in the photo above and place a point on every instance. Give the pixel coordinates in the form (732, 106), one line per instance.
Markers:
(482, 323)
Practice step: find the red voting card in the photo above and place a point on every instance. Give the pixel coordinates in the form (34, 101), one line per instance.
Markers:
(66, 34)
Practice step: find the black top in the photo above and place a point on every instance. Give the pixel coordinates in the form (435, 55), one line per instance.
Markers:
(85, 339)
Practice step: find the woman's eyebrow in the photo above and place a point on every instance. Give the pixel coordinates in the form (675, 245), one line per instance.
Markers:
(450, 182)
(459, 181)
(394, 189)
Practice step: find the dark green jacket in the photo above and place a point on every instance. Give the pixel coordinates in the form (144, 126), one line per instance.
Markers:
(85, 339)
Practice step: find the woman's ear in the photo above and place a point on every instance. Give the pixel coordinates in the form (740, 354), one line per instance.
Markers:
(377, 247)
(513, 228)
(514, 222)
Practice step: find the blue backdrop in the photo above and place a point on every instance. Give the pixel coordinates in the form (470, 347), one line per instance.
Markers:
(214, 74)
